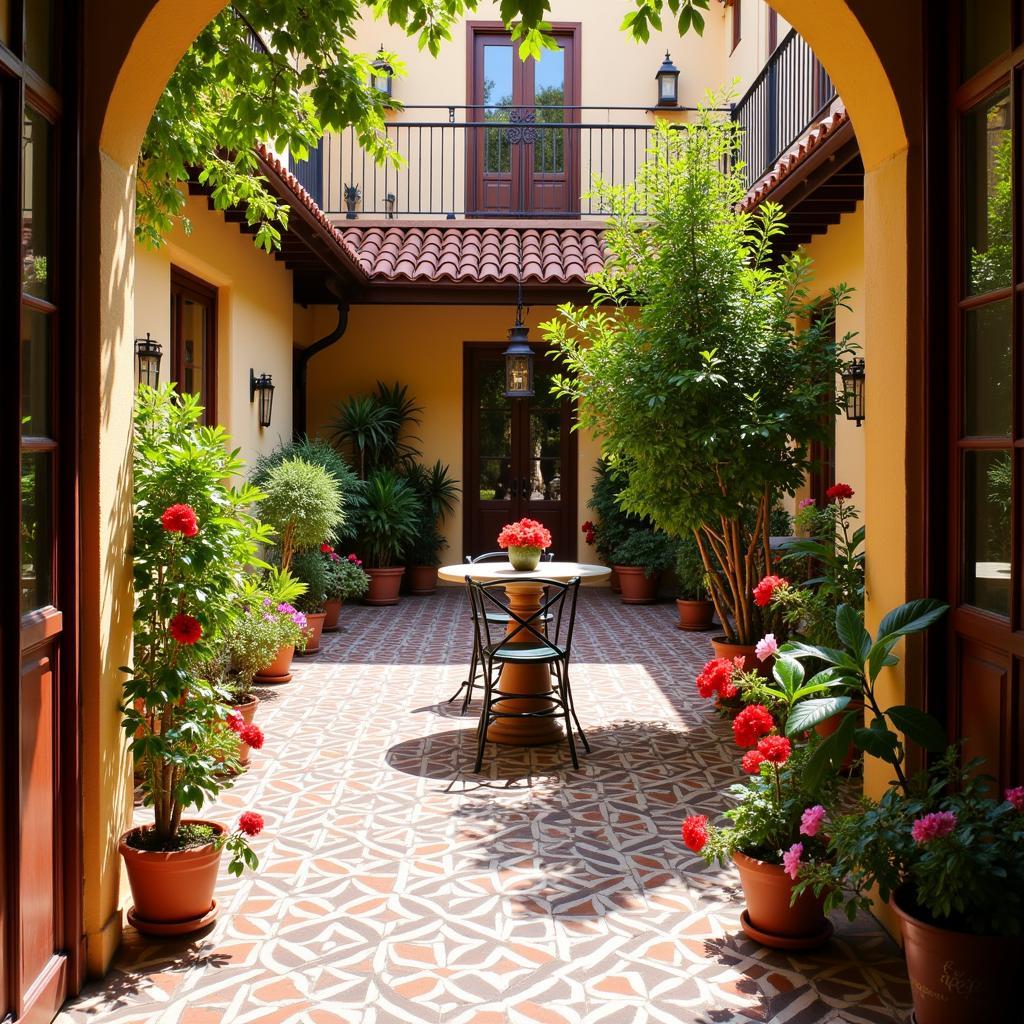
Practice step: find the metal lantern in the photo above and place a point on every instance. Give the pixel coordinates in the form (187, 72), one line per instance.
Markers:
(264, 385)
(519, 355)
(147, 360)
(853, 390)
(383, 74)
(390, 202)
(668, 83)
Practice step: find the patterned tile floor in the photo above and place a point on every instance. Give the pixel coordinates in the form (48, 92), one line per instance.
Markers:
(396, 885)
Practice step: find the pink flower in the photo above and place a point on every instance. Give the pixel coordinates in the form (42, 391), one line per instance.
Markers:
(766, 647)
(807, 502)
(791, 860)
(933, 826)
(1016, 797)
(695, 832)
(811, 819)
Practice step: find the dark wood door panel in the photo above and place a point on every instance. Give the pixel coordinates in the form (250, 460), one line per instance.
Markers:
(987, 708)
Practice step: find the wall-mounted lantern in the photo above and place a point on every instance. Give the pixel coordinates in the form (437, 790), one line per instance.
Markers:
(383, 74)
(853, 390)
(668, 83)
(147, 361)
(264, 385)
(390, 202)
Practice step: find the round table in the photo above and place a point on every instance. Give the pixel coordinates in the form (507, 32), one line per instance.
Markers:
(524, 598)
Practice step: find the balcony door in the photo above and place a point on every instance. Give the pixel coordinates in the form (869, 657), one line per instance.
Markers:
(519, 455)
(522, 160)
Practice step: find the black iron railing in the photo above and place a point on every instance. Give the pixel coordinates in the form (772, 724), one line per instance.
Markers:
(790, 93)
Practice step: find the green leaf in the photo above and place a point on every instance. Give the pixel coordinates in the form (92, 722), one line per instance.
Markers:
(809, 713)
(850, 628)
(919, 727)
(878, 741)
(788, 672)
(911, 617)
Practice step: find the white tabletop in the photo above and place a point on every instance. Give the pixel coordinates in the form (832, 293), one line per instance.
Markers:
(503, 571)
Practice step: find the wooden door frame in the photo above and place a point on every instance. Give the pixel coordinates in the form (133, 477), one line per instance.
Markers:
(183, 281)
(570, 471)
(476, 29)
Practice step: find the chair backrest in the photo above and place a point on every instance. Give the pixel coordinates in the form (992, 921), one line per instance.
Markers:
(495, 556)
(551, 625)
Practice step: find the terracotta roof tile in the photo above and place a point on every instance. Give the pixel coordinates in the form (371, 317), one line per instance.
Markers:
(794, 158)
(476, 255)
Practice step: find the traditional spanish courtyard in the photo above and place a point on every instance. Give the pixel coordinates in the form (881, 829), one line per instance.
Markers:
(398, 885)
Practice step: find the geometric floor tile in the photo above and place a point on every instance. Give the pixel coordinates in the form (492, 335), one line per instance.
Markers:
(397, 885)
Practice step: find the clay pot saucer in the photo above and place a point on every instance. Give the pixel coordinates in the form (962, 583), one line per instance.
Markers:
(786, 942)
(193, 924)
(272, 680)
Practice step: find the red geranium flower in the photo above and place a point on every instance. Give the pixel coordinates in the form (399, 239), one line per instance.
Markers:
(716, 677)
(765, 590)
(751, 762)
(326, 549)
(252, 735)
(180, 519)
(775, 749)
(695, 832)
(840, 492)
(527, 533)
(250, 823)
(234, 721)
(185, 629)
(753, 722)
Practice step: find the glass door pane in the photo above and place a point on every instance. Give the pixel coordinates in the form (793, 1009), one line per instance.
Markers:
(496, 470)
(987, 503)
(497, 100)
(549, 100)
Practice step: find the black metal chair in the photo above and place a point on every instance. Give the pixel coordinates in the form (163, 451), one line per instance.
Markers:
(496, 617)
(547, 641)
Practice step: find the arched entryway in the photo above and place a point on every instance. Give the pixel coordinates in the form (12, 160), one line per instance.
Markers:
(127, 66)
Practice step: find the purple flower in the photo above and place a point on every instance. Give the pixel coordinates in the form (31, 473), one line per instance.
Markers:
(791, 860)
(299, 619)
(285, 609)
(266, 602)
(807, 502)
(811, 819)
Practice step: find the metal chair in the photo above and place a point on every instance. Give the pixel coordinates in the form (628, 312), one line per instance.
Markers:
(496, 617)
(548, 642)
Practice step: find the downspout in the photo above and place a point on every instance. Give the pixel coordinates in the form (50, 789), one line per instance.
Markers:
(301, 366)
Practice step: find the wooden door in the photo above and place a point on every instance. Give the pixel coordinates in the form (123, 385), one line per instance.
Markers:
(40, 874)
(522, 161)
(520, 455)
(193, 362)
(985, 397)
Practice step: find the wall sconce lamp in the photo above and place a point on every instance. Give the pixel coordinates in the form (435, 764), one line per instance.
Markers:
(147, 361)
(264, 384)
(383, 74)
(668, 83)
(853, 390)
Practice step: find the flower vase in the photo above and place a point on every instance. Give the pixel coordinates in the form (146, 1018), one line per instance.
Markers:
(524, 559)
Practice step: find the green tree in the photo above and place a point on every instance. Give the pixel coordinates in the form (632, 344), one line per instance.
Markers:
(282, 71)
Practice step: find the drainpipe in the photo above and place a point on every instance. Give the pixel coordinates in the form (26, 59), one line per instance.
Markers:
(301, 365)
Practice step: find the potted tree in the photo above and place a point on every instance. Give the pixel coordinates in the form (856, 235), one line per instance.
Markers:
(193, 537)
(639, 562)
(695, 609)
(437, 493)
(390, 516)
(699, 362)
(345, 582)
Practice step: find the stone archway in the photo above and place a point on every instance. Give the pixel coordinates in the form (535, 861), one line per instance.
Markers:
(127, 64)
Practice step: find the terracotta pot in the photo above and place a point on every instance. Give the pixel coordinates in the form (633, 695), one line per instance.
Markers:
(384, 586)
(315, 628)
(422, 579)
(614, 583)
(278, 670)
(637, 587)
(957, 978)
(769, 919)
(694, 616)
(172, 892)
(724, 649)
(524, 559)
(248, 713)
(332, 612)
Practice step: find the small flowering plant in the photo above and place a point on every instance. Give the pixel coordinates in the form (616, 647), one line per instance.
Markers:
(527, 533)
(193, 538)
(950, 850)
(346, 578)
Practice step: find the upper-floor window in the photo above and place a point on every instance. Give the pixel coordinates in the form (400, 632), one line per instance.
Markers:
(194, 339)
(773, 30)
(737, 23)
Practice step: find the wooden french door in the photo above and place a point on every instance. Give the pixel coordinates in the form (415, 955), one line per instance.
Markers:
(194, 339)
(985, 698)
(520, 455)
(518, 165)
(40, 877)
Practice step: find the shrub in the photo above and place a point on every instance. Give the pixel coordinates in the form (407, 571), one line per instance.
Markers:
(614, 523)
(437, 493)
(390, 519)
(346, 579)
(652, 551)
(690, 571)
(311, 568)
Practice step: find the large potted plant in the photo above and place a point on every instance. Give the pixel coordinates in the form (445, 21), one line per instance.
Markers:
(346, 581)
(311, 568)
(193, 538)
(614, 525)
(694, 606)
(374, 431)
(702, 364)
(389, 519)
(437, 493)
(639, 562)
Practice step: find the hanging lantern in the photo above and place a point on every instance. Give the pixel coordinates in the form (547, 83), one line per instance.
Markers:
(668, 83)
(383, 74)
(519, 355)
(853, 390)
(147, 361)
(264, 385)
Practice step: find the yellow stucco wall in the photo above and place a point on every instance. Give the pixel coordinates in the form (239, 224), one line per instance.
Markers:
(421, 346)
(254, 318)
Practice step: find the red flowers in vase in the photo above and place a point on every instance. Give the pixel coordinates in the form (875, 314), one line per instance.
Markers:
(527, 533)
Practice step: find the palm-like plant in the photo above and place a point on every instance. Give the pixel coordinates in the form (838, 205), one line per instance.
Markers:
(403, 450)
(390, 518)
(437, 493)
(364, 429)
